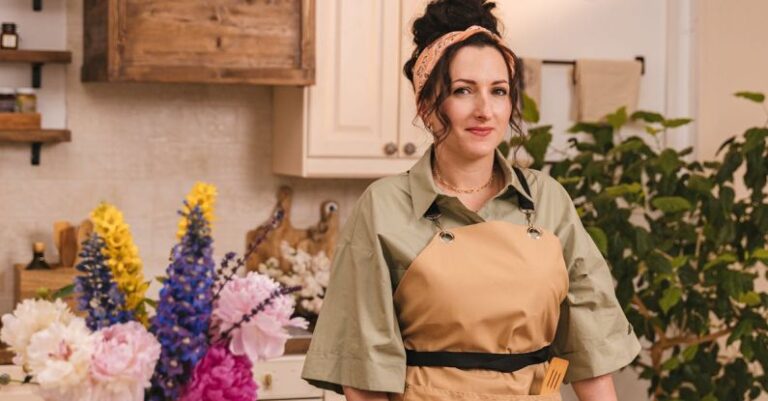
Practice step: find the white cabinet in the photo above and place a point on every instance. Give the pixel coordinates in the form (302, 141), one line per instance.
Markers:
(280, 379)
(357, 120)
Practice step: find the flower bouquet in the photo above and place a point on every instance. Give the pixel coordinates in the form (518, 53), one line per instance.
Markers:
(210, 324)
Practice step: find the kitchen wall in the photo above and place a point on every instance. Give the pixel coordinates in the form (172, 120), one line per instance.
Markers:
(730, 57)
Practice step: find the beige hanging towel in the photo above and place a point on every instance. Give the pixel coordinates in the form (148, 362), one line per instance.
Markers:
(532, 79)
(603, 86)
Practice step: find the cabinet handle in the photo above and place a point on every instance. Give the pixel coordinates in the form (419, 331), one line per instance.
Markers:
(267, 381)
(409, 148)
(390, 149)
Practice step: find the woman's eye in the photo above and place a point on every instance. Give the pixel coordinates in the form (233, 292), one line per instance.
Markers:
(500, 91)
(461, 91)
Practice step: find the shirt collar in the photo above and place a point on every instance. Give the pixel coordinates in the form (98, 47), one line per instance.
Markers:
(424, 191)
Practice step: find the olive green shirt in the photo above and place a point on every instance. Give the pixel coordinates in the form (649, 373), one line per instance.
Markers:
(357, 340)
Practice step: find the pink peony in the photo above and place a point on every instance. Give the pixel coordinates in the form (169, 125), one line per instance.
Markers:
(263, 336)
(221, 376)
(123, 362)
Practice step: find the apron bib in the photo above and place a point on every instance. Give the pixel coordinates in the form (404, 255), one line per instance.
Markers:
(490, 287)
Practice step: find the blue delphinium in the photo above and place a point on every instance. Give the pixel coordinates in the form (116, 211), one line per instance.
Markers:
(98, 293)
(184, 308)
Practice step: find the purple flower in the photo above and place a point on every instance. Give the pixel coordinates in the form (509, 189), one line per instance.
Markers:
(99, 295)
(184, 308)
(221, 376)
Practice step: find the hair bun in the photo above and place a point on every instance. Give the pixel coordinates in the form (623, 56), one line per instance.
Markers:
(443, 16)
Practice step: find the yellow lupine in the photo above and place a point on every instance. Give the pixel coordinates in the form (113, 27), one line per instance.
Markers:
(203, 195)
(122, 256)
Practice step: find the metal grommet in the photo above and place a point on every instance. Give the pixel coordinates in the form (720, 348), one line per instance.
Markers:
(447, 236)
(534, 232)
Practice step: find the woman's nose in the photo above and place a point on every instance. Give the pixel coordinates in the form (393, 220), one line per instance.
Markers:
(482, 107)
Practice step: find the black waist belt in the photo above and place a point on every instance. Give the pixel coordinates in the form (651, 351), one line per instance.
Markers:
(477, 360)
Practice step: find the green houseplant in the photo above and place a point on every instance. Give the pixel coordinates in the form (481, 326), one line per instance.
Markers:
(684, 250)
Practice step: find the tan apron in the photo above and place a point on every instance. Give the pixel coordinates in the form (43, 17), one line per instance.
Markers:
(491, 288)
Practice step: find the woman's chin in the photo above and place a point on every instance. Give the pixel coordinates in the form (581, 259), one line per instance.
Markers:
(480, 149)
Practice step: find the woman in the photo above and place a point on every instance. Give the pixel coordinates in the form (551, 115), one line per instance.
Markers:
(460, 278)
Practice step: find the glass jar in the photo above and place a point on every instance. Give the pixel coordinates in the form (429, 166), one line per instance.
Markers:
(7, 100)
(9, 39)
(26, 100)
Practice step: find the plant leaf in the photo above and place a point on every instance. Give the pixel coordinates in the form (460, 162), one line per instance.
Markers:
(753, 96)
(670, 364)
(617, 118)
(64, 292)
(670, 298)
(700, 184)
(589, 128)
(623, 189)
(538, 141)
(690, 352)
(750, 298)
(651, 130)
(601, 240)
(504, 148)
(760, 254)
(668, 161)
(569, 180)
(725, 144)
(530, 112)
(725, 258)
(671, 204)
(676, 122)
(647, 116)
(678, 261)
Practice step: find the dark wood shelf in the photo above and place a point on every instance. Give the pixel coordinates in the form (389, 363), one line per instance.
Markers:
(35, 136)
(35, 56)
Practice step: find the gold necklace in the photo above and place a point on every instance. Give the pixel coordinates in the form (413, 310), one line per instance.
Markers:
(460, 190)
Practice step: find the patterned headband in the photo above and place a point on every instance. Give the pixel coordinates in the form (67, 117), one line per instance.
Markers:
(429, 57)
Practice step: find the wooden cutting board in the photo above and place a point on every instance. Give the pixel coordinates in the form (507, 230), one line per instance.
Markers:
(314, 239)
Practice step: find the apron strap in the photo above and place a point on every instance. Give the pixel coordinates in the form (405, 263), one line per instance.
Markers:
(524, 202)
(477, 360)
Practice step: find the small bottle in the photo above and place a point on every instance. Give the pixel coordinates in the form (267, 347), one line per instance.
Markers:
(7, 100)
(26, 100)
(38, 259)
(9, 39)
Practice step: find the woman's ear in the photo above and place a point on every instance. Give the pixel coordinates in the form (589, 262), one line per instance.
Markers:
(430, 122)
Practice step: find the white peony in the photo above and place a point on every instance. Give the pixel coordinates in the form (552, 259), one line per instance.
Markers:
(59, 358)
(30, 317)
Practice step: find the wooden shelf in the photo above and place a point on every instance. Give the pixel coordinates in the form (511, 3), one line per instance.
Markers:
(35, 56)
(36, 136)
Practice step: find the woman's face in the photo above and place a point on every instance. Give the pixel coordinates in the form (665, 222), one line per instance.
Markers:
(478, 106)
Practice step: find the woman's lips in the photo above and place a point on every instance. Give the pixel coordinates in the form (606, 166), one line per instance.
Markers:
(480, 131)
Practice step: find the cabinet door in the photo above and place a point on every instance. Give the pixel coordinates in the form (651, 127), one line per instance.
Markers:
(353, 107)
(280, 379)
(412, 131)
(331, 396)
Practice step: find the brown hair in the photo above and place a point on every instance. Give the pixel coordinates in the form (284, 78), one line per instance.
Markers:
(441, 17)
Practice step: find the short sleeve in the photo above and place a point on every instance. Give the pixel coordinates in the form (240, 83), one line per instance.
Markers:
(593, 333)
(357, 340)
